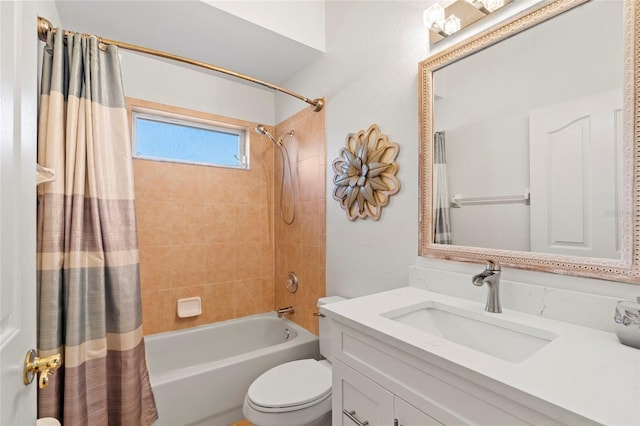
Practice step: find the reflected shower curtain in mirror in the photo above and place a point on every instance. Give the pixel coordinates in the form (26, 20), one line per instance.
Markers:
(441, 220)
(89, 305)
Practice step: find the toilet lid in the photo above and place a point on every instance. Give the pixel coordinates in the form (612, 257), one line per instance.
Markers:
(291, 384)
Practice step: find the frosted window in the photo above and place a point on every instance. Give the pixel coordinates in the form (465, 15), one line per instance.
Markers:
(156, 137)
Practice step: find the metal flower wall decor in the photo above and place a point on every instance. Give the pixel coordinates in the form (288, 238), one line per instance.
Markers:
(365, 173)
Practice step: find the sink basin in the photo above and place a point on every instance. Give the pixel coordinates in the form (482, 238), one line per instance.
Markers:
(487, 333)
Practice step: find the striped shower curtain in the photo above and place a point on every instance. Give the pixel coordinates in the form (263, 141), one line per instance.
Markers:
(441, 219)
(89, 305)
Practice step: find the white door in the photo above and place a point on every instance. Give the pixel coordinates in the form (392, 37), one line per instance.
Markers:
(17, 211)
(575, 150)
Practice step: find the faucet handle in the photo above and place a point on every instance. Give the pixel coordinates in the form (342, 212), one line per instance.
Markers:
(493, 266)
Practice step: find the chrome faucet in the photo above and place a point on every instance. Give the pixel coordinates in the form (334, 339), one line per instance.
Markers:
(285, 311)
(490, 276)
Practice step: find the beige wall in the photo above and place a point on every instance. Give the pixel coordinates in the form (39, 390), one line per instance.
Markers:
(205, 231)
(300, 247)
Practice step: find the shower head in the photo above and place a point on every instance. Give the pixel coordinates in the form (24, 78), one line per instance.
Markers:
(290, 133)
(260, 129)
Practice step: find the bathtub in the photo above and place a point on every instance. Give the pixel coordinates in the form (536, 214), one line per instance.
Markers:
(200, 375)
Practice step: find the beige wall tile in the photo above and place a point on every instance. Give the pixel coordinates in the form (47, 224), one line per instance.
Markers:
(309, 182)
(251, 187)
(219, 223)
(247, 297)
(219, 301)
(309, 223)
(186, 182)
(268, 295)
(321, 179)
(152, 179)
(218, 185)
(187, 266)
(310, 263)
(220, 263)
(293, 231)
(187, 222)
(154, 316)
(249, 221)
(154, 222)
(155, 270)
(306, 139)
(247, 261)
(294, 257)
(266, 260)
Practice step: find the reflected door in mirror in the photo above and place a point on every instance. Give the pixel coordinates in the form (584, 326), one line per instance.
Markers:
(575, 176)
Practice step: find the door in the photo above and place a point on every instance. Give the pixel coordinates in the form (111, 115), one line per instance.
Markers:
(17, 210)
(576, 150)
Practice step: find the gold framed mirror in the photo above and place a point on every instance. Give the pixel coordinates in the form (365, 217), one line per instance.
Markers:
(538, 117)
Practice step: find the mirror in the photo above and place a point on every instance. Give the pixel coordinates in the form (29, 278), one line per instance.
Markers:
(528, 143)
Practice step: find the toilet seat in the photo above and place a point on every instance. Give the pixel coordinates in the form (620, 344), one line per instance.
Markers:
(291, 386)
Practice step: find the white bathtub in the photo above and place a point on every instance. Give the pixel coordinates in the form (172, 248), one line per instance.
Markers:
(200, 375)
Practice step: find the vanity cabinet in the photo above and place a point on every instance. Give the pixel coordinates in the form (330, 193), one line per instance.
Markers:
(376, 380)
(359, 401)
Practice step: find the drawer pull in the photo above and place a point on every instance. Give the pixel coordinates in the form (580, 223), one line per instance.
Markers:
(352, 415)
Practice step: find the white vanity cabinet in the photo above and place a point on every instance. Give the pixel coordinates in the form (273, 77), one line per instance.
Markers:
(358, 401)
(387, 369)
(408, 415)
(376, 381)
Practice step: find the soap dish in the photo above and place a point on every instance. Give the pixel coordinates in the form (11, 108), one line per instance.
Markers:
(627, 320)
(189, 307)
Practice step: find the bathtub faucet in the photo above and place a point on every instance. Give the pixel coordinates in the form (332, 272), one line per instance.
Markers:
(285, 311)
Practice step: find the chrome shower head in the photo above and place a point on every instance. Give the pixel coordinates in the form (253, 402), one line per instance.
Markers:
(290, 133)
(260, 129)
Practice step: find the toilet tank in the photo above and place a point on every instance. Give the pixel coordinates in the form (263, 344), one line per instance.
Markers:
(325, 327)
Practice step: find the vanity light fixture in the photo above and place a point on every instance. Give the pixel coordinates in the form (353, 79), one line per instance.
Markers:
(444, 21)
(434, 18)
(487, 6)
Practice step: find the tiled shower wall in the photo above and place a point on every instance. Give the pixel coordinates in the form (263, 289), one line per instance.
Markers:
(208, 232)
(300, 247)
(217, 233)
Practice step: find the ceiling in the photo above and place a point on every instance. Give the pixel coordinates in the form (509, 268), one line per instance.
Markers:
(193, 29)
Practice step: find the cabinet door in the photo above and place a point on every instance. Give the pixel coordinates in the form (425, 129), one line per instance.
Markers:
(408, 415)
(357, 400)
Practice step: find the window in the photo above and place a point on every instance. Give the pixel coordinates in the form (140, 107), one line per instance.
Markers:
(167, 136)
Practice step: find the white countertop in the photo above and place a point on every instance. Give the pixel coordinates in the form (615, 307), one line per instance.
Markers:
(583, 370)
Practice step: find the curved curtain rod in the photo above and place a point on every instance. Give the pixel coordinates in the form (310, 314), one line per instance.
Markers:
(44, 27)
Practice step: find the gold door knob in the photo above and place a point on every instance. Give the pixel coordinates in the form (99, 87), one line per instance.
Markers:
(45, 366)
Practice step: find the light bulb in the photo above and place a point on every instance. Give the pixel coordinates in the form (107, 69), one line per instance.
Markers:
(477, 3)
(434, 16)
(451, 24)
(494, 4)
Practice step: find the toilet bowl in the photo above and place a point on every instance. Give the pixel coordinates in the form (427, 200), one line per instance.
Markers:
(296, 393)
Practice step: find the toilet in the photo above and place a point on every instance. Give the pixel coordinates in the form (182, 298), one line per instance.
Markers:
(296, 393)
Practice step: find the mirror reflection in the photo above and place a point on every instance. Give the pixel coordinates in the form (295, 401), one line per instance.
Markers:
(528, 139)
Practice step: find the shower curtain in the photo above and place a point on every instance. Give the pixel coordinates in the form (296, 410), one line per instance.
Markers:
(89, 305)
(441, 220)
